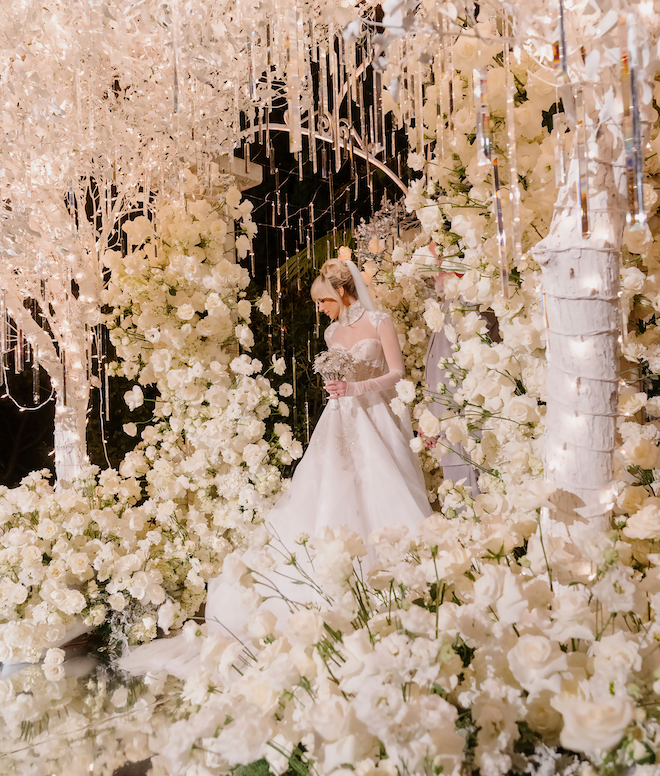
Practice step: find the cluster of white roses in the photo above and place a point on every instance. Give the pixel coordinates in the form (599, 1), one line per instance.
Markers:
(451, 653)
(137, 546)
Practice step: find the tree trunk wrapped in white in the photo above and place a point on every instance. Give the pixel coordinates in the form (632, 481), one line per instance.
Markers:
(581, 290)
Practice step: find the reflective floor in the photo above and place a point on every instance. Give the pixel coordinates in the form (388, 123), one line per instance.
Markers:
(79, 718)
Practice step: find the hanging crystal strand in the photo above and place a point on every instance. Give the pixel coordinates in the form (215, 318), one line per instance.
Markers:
(317, 322)
(312, 236)
(438, 79)
(561, 59)
(501, 234)
(419, 109)
(19, 350)
(64, 377)
(267, 105)
(483, 116)
(335, 87)
(177, 73)
(583, 173)
(36, 387)
(278, 288)
(512, 152)
(632, 135)
(304, 67)
(269, 291)
(252, 85)
(331, 192)
(293, 80)
(252, 262)
(559, 136)
(450, 83)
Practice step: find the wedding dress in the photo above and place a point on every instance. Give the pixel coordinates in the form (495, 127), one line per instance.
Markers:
(358, 471)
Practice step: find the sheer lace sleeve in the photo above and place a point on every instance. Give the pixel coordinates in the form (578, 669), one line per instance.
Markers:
(390, 342)
(328, 332)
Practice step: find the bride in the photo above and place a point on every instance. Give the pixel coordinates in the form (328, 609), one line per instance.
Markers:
(358, 470)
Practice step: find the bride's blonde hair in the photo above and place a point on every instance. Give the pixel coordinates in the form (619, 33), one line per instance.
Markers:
(334, 275)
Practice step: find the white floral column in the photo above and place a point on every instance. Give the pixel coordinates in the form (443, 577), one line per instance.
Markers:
(581, 284)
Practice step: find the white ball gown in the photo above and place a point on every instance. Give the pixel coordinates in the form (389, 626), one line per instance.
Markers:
(358, 471)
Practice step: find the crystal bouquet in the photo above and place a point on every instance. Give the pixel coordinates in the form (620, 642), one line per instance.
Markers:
(333, 364)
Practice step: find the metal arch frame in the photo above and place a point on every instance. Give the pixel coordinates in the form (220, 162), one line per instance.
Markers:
(357, 150)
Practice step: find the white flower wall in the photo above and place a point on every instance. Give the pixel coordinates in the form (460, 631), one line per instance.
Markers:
(134, 548)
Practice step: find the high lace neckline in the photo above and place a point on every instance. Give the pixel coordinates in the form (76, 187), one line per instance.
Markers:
(349, 315)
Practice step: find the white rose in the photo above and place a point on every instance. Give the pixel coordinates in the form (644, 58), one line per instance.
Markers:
(54, 672)
(279, 366)
(434, 316)
(429, 424)
(644, 524)
(263, 624)
(54, 657)
(535, 661)
(406, 391)
(130, 429)
(244, 309)
(416, 335)
(638, 241)
(522, 409)
(46, 529)
(134, 398)
(344, 253)
(593, 726)
(642, 452)
(306, 627)
(117, 602)
(398, 407)
(244, 336)
(632, 279)
(631, 402)
(265, 305)
(79, 563)
(253, 455)
(185, 312)
(285, 390)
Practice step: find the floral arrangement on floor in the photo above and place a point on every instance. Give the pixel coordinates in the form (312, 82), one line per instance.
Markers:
(450, 654)
(134, 548)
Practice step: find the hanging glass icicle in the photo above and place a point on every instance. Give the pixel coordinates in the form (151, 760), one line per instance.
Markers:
(36, 382)
(64, 377)
(278, 289)
(632, 134)
(501, 234)
(483, 116)
(583, 172)
(512, 153)
(559, 52)
(419, 109)
(336, 88)
(252, 85)
(561, 157)
(317, 322)
(293, 80)
(19, 350)
(380, 116)
(177, 70)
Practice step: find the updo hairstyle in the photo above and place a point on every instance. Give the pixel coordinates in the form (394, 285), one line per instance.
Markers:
(334, 275)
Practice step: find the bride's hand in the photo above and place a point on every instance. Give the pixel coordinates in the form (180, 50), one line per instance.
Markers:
(336, 388)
